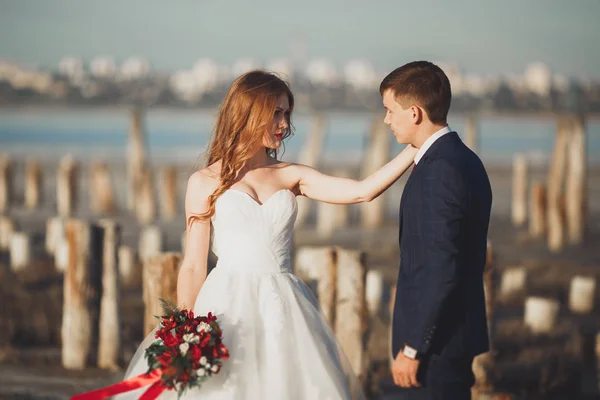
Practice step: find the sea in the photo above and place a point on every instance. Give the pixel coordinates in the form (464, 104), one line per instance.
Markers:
(181, 136)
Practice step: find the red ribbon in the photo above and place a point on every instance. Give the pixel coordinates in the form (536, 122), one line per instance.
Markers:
(152, 378)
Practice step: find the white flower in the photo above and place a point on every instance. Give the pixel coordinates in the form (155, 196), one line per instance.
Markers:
(200, 372)
(203, 360)
(215, 368)
(191, 338)
(207, 366)
(203, 326)
(183, 348)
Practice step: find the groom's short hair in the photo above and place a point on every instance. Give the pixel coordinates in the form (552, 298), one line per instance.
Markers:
(420, 83)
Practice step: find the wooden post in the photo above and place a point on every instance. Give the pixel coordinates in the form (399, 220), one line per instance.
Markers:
(513, 282)
(310, 155)
(136, 157)
(330, 217)
(7, 227)
(33, 184)
(537, 210)
(556, 223)
(61, 255)
(472, 132)
(55, 233)
(160, 282)
(151, 243)
(519, 190)
(168, 193)
(130, 269)
(351, 310)
(66, 186)
(541, 314)
(481, 363)
(146, 204)
(109, 344)
(6, 183)
(374, 291)
(582, 294)
(318, 265)
(20, 251)
(576, 182)
(377, 154)
(81, 293)
(102, 199)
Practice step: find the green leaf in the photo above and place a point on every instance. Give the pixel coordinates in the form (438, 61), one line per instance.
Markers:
(168, 307)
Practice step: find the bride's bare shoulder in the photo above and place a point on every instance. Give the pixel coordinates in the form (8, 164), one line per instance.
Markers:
(203, 182)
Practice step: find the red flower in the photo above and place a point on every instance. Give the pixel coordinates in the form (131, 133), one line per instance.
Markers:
(195, 352)
(223, 351)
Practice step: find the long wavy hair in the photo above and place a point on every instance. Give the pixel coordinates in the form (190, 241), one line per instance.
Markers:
(245, 116)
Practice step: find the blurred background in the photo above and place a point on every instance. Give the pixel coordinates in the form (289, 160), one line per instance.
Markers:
(107, 107)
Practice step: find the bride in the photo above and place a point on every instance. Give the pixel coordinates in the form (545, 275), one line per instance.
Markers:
(280, 345)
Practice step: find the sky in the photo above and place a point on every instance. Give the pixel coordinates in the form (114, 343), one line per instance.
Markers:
(481, 36)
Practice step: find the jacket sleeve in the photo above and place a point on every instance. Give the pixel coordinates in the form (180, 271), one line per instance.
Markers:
(441, 213)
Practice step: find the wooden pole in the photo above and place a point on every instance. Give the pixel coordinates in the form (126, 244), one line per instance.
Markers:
(6, 183)
(537, 210)
(310, 155)
(33, 184)
(146, 203)
(7, 227)
(519, 190)
(576, 182)
(541, 314)
(351, 310)
(318, 266)
(372, 215)
(20, 251)
(102, 200)
(472, 133)
(582, 294)
(168, 193)
(556, 223)
(151, 242)
(130, 269)
(136, 157)
(82, 290)
(67, 186)
(55, 231)
(109, 346)
(513, 282)
(160, 282)
(374, 291)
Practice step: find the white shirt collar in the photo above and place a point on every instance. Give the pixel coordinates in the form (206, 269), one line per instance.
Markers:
(430, 140)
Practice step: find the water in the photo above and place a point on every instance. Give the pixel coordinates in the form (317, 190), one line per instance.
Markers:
(181, 136)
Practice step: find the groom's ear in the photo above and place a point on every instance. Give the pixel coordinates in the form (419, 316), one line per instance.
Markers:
(417, 114)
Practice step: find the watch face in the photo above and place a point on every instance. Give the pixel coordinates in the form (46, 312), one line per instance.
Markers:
(410, 352)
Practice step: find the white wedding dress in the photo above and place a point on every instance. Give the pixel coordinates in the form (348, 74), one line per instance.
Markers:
(280, 346)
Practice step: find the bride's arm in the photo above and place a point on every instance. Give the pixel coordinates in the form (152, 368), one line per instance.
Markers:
(318, 186)
(193, 270)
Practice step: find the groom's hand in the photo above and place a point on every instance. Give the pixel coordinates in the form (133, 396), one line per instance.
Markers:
(404, 371)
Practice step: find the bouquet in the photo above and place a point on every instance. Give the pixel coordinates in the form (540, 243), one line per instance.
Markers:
(188, 351)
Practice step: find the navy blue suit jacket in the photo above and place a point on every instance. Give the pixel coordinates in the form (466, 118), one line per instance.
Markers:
(444, 217)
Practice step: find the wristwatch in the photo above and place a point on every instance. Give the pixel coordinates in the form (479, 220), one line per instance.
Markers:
(409, 352)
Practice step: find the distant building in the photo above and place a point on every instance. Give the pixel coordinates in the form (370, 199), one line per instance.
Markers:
(134, 68)
(538, 79)
(103, 67)
(321, 72)
(360, 74)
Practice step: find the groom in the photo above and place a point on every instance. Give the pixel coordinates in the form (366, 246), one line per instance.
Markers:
(439, 321)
